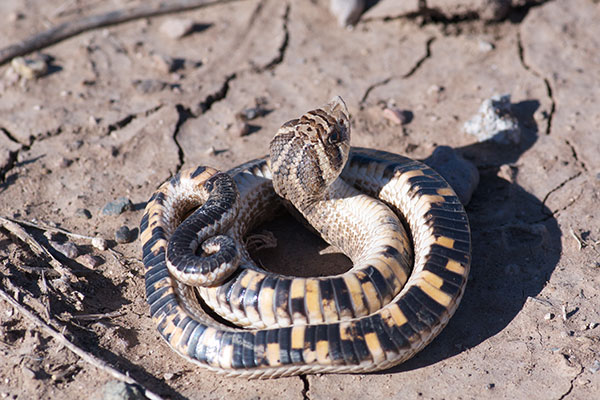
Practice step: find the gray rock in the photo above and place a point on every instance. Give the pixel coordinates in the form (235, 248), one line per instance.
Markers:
(68, 249)
(90, 261)
(117, 390)
(83, 213)
(176, 28)
(461, 174)
(118, 206)
(347, 12)
(248, 114)
(124, 235)
(164, 63)
(494, 121)
(147, 86)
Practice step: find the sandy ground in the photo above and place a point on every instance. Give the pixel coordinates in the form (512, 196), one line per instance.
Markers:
(112, 119)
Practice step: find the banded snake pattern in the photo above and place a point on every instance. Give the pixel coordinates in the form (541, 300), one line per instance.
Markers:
(401, 291)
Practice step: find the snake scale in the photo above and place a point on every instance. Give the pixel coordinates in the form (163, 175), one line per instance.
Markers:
(215, 307)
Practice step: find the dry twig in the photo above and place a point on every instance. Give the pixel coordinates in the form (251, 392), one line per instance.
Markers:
(84, 355)
(37, 248)
(75, 27)
(96, 317)
(44, 227)
(580, 243)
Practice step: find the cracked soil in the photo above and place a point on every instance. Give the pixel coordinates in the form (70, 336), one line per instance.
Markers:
(110, 120)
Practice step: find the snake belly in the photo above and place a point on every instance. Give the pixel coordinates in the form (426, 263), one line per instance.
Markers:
(378, 340)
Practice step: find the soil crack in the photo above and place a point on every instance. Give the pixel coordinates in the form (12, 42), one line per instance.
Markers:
(421, 60)
(306, 388)
(574, 154)
(11, 137)
(407, 75)
(284, 43)
(371, 88)
(123, 122)
(571, 385)
(184, 114)
(11, 159)
(558, 187)
(549, 91)
(219, 95)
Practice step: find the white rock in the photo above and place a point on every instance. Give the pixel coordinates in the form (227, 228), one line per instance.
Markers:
(176, 28)
(347, 12)
(494, 121)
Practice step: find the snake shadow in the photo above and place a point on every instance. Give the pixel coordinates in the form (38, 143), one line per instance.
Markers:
(516, 244)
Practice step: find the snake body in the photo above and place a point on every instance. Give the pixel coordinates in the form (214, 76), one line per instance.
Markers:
(369, 318)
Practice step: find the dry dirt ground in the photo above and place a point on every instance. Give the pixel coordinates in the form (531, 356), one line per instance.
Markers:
(112, 119)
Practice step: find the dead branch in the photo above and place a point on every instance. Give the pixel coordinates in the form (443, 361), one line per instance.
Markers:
(37, 248)
(71, 28)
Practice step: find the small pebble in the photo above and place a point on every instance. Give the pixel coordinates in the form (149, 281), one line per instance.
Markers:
(485, 47)
(176, 28)
(491, 385)
(83, 213)
(93, 121)
(163, 63)
(242, 128)
(149, 85)
(30, 68)
(68, 249)
(117, 206)
(549, 316)
(435, 89)
(75, 145)
(494, 10)
(99, 243)
(347, 12)
(211, 151)
(395, 115)
(124, 235)
(64, 162)
(90, 261)
(118, 390)
(27, 373)
(248, 114)
(595, 367)
(15, 16)
(593, 325)
(50, 235)
(168, 376)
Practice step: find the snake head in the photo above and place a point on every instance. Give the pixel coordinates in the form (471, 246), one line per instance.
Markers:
(309, 153)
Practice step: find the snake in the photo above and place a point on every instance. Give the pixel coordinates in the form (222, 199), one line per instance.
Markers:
(400, 223)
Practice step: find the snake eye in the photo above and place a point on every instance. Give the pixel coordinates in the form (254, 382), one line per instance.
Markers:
(335, 137)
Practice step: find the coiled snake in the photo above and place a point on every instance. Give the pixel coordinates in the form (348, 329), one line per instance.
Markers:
(399, 294)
